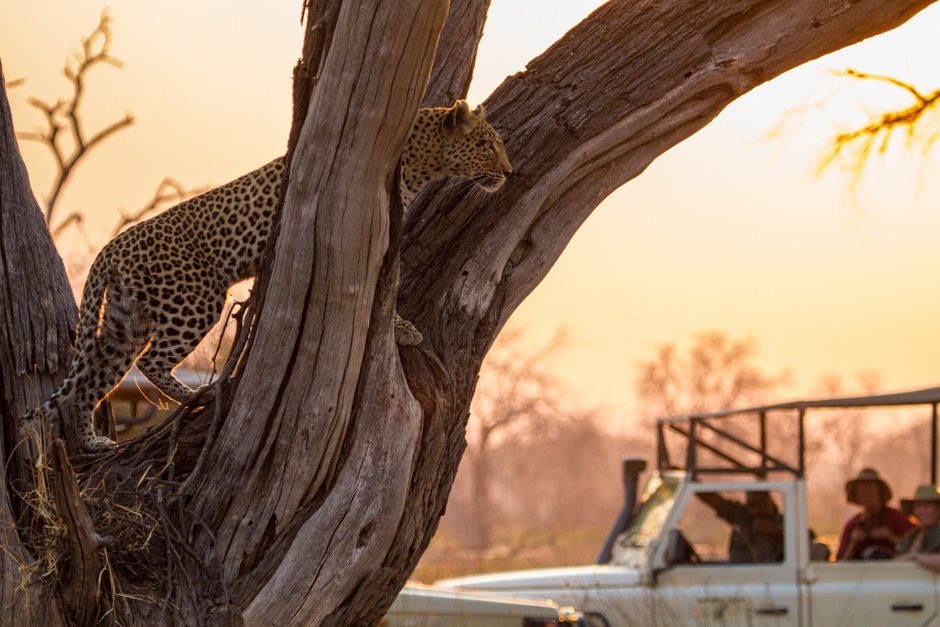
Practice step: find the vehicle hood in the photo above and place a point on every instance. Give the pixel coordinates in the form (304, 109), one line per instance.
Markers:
(593, 577)
(425, 601)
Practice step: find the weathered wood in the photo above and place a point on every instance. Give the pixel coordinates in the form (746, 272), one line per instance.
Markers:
(37, 316)
(319, 301)
(456, 53)
(37, 310)
(586, 116)
(85, 563)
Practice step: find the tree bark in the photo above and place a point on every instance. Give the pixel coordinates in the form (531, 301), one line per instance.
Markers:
(37, 316)
(296, 405)
(325, 476)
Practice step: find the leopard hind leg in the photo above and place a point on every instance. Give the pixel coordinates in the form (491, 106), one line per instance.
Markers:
(123, 331)
(174, 338)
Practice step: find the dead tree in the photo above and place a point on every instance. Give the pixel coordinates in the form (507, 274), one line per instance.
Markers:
(37, 316)
(304, 488)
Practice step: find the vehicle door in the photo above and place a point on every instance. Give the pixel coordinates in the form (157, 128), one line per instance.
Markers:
(872, 592)
(727, 561)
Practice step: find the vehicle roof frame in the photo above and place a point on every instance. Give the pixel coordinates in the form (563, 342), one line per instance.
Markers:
(725, 443)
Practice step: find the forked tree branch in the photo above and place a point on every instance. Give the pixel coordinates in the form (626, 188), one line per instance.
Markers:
(64, 117)
(877, 133)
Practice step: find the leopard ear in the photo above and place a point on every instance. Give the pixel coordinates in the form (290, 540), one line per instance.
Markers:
(459, 119)
(480, 112)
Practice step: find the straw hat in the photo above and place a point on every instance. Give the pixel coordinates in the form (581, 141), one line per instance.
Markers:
(923, 494)
(866, 474)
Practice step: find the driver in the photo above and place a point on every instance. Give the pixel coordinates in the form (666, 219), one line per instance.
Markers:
(757, 526)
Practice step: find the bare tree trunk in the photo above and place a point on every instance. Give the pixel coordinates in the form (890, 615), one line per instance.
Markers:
(327, 465)
(37, 316)
(297, 405)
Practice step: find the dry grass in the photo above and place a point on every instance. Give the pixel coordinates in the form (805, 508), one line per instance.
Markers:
(136, 510)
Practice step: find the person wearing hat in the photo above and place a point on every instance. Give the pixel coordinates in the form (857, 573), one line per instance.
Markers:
(918, 543)
(873, 532)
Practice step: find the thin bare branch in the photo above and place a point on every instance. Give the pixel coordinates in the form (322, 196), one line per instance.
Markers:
(168, 191)
(886, 79)
(875, 136)
(65, 115)
(74, 218)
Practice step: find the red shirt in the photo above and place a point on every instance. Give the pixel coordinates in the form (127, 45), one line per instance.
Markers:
(888, 517)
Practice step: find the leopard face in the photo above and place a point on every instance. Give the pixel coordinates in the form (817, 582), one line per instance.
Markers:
(453, 142)
(473, 148)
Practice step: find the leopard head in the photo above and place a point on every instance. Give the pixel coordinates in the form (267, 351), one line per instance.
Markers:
(452, 141)
(472, 148)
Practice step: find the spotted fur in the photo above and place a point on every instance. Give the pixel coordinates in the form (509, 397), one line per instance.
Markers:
(155, 290)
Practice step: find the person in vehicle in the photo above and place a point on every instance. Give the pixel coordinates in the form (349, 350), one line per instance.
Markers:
(757, 526)
(873, 532)
(922, 543)
(818, 551)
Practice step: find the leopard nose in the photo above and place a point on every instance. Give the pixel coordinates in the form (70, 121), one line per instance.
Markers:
(507, 168)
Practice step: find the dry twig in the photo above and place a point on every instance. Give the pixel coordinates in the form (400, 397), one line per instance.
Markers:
(168, 191)
(876, 135)
(63, 116)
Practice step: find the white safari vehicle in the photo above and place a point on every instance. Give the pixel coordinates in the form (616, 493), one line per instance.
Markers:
(680, 557)
(426, 606)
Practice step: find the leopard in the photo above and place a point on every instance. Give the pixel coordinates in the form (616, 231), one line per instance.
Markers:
(157, 288)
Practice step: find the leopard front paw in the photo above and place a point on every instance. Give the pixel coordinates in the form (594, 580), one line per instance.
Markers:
(97, 444)
(406, 333)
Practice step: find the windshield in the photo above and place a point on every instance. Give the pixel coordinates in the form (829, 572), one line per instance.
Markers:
(631, 546)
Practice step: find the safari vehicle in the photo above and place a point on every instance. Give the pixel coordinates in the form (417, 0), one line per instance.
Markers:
(664, 564)
(426, 606)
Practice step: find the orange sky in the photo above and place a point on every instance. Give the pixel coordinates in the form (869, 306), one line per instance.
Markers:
(728, 231)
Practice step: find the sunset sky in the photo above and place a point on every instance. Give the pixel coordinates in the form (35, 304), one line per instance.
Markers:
(728, 231)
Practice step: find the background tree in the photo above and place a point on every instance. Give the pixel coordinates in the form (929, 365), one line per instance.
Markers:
(715, 372)
(65, 134)
(63, 119)
(516, 395)
(304, 489)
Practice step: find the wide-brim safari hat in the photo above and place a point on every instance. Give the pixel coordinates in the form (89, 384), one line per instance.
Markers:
(923, 494)
(866, 474)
